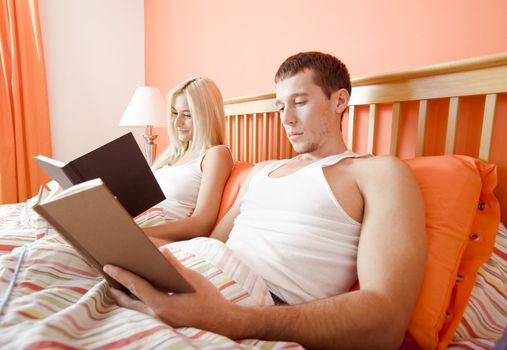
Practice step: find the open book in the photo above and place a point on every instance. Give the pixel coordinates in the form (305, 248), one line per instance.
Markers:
(120, 164)
(89, 217)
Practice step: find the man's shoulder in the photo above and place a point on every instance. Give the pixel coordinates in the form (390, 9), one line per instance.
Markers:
(378, 162)
(380, 171)
(375, 168)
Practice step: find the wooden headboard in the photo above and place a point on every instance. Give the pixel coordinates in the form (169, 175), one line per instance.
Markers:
(458, 107)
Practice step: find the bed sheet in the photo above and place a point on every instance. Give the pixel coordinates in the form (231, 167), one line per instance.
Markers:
(485, 318)
(60, 301)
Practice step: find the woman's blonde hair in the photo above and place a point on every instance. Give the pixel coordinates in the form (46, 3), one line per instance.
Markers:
(206, 107)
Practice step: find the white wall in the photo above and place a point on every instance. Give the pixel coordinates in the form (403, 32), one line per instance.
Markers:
(94, 53)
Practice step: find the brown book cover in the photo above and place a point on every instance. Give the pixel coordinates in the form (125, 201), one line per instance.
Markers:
(120, 164)
(89, 217)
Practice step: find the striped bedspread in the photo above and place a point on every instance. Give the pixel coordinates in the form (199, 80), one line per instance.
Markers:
(59, 301)
(485, 318)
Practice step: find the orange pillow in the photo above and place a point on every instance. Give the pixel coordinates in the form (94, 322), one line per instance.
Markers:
(462, 216)
(231, 189)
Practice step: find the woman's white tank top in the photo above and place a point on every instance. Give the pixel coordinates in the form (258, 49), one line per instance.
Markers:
(180, 184)
(293, 232)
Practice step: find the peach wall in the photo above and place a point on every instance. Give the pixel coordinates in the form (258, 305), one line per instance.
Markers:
(241, 43)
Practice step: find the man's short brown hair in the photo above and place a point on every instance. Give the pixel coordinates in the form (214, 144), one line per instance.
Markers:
(329, 72)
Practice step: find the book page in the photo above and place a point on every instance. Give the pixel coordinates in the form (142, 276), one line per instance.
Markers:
(74, 189)
(50, 161)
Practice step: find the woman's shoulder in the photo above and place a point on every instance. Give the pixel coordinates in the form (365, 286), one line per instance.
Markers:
(218, 151)
(218, 154)
(219, 148)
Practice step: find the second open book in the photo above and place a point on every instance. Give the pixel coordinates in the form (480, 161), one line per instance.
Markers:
(120, 164)
(90, 218)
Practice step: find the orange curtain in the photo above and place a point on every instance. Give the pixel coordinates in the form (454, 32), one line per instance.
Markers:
(24, 112)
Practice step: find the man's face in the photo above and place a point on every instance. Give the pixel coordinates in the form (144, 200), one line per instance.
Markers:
(307, 114)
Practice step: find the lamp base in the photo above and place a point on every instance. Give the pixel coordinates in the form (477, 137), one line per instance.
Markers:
(150, 146)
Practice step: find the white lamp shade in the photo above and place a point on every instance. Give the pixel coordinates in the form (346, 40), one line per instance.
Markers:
(145, 108)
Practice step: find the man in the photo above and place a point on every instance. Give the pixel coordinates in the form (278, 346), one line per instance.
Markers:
(309, 226)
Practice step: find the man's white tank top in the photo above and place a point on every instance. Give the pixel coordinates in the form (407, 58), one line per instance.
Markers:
(180, 184)
(293, 232)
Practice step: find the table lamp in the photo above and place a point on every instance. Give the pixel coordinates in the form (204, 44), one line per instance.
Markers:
(146, 109)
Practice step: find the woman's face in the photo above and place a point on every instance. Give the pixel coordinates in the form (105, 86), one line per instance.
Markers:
(181, 118)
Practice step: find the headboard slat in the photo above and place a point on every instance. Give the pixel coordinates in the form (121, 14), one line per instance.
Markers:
(371, 128)
(452, 121)
(352, 119)
(255, 143)
(421, 127)
(487, 126)
(276, 136)
(395, 126)
(246, 138)
(228, 131)
(237, 142)
(265, 134)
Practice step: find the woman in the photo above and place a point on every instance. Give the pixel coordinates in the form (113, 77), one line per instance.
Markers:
(193, 170)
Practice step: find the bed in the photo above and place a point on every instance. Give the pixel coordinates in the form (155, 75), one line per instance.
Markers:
(447, 121)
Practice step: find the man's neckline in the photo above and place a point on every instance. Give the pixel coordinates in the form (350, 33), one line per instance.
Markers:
(307, 157)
